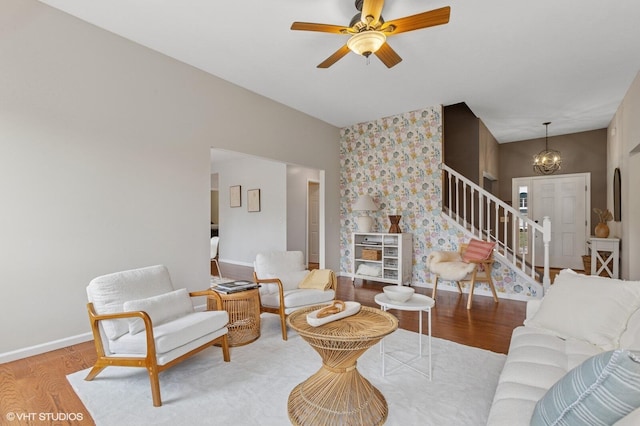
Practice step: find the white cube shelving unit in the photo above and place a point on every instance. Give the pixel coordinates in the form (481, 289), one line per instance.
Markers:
(394, 260)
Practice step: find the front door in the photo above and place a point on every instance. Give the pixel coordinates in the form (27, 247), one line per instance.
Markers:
(566, 200)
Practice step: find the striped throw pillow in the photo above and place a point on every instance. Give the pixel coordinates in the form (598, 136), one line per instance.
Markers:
(601, 390)
(478, 250)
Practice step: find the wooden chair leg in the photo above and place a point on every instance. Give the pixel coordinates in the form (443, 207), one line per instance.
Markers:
(435, 287)
(472, 284)
(155, 385)
(94, 372)
(225, 348)
(215, 261)
(459, 287)
(283, 324)
(492, 287)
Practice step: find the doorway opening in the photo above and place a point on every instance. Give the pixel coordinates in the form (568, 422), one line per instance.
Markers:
(291, 215)
(313, 224)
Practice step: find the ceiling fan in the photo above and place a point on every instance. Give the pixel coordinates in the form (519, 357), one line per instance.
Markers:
(369, 31)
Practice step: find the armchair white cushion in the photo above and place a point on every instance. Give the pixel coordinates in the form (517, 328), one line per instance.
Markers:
(280, 273)
(162, 308)
(139, 320)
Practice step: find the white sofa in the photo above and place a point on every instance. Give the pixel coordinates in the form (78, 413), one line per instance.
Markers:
(579, 317)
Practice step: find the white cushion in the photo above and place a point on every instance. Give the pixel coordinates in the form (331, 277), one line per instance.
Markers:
(290, 281)
(161, 308)
(288, 266)
(630, 337)
(172, 334)
(298, 298)
(537, 359)
(277, 262)
(589, 308)
(109, 292)
(632, 419)
(369, 270)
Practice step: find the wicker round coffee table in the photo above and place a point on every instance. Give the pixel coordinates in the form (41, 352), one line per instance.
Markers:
(338, 394)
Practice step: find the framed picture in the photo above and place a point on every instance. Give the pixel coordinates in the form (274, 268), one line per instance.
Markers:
(235, 199)
(253, 200)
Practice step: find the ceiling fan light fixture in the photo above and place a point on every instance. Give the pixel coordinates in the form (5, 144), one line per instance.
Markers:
(366, 42)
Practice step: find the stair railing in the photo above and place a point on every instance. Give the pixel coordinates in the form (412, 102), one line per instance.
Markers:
(520, 241)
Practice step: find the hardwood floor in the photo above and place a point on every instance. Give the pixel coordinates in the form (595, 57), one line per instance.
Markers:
(37, 386)
(487, 325)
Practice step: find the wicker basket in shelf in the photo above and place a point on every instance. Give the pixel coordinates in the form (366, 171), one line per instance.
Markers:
(586, 262)
(370, 254)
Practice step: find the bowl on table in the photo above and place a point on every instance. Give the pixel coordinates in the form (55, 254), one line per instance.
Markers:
(398, 293)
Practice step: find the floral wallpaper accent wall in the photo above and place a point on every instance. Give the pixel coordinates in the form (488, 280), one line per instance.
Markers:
(397, 160)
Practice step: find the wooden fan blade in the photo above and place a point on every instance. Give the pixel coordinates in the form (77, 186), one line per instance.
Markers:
(371, 8)
(339, 54)
(323, 28)
(421, 20)
(388, 56)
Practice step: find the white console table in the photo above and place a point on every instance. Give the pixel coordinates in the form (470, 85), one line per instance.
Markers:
(605, 256)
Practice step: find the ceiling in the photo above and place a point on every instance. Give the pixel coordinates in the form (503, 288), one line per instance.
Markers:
(515, 63)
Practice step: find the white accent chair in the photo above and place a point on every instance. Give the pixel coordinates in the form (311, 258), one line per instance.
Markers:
(280, 273)
(214, 253)
(139, 320)
(451, 266)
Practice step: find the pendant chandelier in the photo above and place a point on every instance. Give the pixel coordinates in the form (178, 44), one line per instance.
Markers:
(547, 161)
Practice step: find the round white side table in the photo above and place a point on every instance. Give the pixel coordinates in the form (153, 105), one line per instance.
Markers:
(418, 303)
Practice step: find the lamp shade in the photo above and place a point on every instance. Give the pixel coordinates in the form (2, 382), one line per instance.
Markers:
(367, 42)
(364, 203)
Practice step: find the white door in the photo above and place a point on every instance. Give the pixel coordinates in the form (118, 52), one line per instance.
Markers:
(313, 222)
(565, 199)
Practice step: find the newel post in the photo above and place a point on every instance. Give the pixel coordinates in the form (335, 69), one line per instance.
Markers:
(546, 238)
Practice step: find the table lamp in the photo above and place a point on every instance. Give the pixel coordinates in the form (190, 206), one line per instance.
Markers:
(364, 204)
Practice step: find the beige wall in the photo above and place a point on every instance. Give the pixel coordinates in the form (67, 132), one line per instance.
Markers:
(214, 207)
(624, 153)
(581, 152)
(105, 166)
(469, 146)
(488, 157)
(461, 141)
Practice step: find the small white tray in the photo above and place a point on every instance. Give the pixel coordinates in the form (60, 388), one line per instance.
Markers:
(350, 308)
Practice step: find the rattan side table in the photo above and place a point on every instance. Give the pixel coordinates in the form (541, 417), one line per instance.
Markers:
(338, 394)
(244, 314)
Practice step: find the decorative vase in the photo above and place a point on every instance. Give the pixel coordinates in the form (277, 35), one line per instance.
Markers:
(395, 228)
(602, 230)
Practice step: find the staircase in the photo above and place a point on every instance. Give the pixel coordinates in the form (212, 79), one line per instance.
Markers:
(521, 243)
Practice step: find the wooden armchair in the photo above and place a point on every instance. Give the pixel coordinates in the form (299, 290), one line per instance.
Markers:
(139, 320)
(286, 287)
(472, 263)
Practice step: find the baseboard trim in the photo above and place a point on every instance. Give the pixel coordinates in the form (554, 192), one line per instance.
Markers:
(445, 287)
(236, 262)
(44, 347)
(480, 292)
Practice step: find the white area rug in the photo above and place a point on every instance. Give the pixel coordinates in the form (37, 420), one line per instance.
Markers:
(254, 387)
